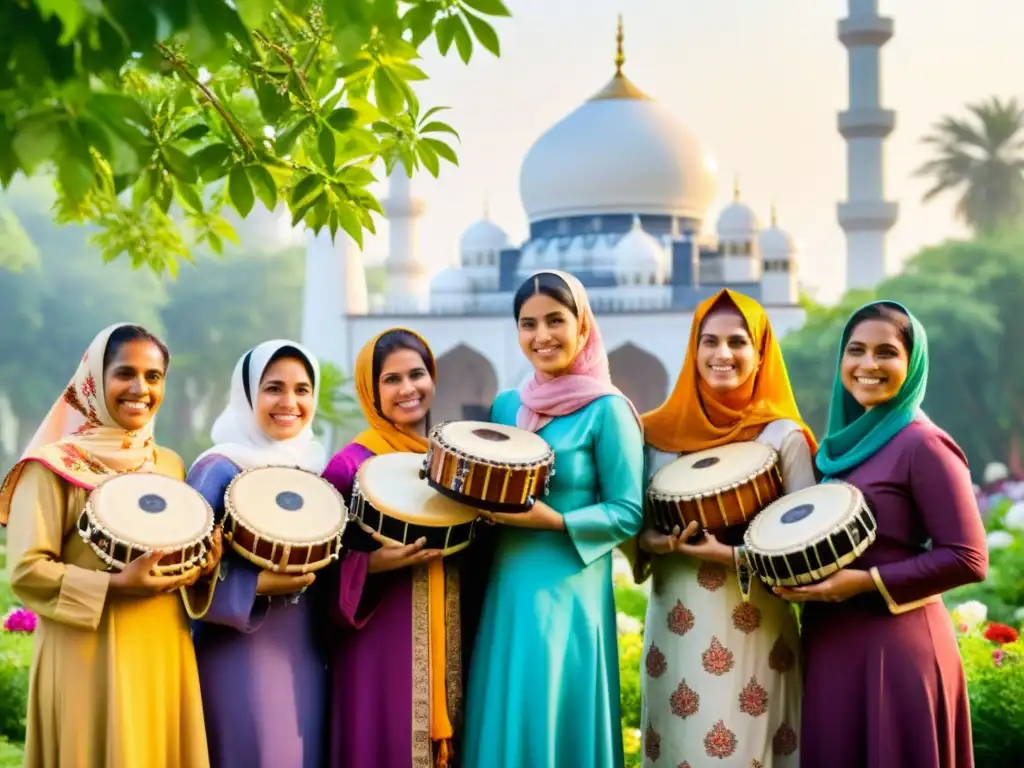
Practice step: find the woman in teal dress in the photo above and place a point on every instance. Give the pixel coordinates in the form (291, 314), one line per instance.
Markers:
(544, 678)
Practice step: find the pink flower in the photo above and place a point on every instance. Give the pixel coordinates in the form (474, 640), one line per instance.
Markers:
(997, 657)
(20, 620)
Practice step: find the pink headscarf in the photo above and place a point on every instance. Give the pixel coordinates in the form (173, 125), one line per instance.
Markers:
(544, 396)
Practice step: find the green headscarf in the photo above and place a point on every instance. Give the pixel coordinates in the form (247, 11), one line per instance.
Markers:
(855, 435)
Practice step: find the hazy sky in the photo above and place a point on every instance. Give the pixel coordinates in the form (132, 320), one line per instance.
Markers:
(759, 81)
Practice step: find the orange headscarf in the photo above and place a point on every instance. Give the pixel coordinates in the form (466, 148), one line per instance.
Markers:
(382, 437)
(695, 417)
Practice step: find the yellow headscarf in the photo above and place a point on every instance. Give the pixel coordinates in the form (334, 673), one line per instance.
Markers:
(695, 417)
(382, 437)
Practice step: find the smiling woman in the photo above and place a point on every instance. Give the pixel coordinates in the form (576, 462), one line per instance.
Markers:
(134, 366)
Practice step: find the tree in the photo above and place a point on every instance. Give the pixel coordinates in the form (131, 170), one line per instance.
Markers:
(966, 294)
(983, 161)
(154, 114)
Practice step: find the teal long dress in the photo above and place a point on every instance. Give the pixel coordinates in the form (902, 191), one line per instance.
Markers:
(544, 679)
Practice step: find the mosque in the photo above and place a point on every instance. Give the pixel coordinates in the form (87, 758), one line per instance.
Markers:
(630, 223)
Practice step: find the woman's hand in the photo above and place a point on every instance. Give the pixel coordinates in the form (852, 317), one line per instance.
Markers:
(838, 587)
(540, 517)
(391, 558)
(214, 555)
(139, 580)
(708, 548)
(273, 584)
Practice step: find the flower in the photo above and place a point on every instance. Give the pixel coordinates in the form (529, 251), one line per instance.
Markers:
(972, 614)
(20, 620)
(622, 571)
(626, 624)
(1019, 614)
(1000, 634)
(998, 656)
(999, 540)
(1015, 517)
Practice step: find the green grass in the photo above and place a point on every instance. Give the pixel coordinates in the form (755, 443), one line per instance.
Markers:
(11, 755)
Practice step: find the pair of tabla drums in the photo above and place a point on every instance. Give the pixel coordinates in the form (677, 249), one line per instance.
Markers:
(791, 540)
(469, 466)
(283, 519)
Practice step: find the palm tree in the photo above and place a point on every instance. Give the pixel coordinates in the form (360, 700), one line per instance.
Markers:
(983, 161)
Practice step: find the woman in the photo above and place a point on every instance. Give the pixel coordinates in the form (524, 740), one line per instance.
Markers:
(113, 680)
(397, 680)
(884, 681)
(721, 684)
(262, 672)
(544, 681)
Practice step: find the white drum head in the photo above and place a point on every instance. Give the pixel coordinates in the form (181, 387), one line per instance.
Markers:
(712, 470)
(391, 483)
(287, 504)
(495, 443)
(803, 518)
(151, 511)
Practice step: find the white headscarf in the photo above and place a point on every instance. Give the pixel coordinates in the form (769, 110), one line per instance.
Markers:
(237, 436)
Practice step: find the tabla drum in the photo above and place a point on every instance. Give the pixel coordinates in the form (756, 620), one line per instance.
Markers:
(488, 466)
(808, 535)
(284, 519)
(130, 515)
(718, 487)
(390, 499)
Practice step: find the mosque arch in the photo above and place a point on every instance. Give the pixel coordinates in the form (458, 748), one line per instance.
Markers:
(640, 375)
(468, 385)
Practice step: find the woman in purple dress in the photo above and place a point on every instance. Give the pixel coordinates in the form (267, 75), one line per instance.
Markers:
(884, 683)
(262, 673)
(397, 671)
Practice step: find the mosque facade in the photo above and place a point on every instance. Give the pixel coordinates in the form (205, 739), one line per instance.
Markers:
(617, 193)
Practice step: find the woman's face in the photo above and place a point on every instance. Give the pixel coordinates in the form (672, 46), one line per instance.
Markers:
(548, 334)
(405, 388)
(875, 362)
(285, 403)
(133, 384)
(726, 357)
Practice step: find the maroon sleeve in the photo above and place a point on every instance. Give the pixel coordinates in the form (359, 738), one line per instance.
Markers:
(944, 499)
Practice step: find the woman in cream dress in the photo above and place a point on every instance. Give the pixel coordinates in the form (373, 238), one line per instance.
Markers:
(721, 681)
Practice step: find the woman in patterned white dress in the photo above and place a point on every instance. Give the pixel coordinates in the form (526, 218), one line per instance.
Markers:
(721, 682)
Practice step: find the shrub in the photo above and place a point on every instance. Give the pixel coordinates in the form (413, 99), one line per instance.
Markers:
(15, 660)
(11, 755)
(995, 687)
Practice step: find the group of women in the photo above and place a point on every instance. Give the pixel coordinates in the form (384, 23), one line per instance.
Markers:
(505, 655)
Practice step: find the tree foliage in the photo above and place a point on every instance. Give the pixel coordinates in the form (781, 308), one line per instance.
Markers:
(981, 158)
(154, 114)
(967, 295)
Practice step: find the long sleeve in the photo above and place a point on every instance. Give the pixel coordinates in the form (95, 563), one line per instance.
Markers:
(944, 498)
(619, 457)
(59, 591)
(358, 591)
(234, 602)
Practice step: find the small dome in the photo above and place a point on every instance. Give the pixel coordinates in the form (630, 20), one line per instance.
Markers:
(639, 254)
(737, 222)
(483, 235)
(451, 280)
(776, 243)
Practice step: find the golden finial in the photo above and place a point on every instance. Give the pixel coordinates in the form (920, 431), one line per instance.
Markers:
(620, 56)
(736, 188)
(775, 216)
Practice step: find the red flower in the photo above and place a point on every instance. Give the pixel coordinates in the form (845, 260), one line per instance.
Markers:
(1000, 633)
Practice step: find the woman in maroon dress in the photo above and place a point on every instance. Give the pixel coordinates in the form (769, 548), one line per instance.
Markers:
(884, 683)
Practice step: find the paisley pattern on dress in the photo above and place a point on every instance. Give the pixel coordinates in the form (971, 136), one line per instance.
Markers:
(711, 576)
(717, 659)
(680, 619)
(656, 664)
(753, 699)
(720, 741)
(685, 702)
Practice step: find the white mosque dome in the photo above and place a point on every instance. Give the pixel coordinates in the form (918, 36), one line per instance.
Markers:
(776, 243)
(619, 152)
(483, 235)
(639, 257)
(452, 280)
(737, 222)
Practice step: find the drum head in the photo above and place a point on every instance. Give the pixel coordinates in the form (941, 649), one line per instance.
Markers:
(391, 483)
(803, 518)
(495, 443)
(286, 504)
(151, 510)
(712, 470)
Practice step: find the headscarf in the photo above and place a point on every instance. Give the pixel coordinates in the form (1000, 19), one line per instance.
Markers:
(381, 437)
(543, 396)
(79, 440)
(696, 417)
(236, 434)
(854, 434)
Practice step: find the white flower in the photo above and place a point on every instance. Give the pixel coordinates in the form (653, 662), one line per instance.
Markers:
(1019, 614)
(627, 625)
(1015, 517)
(999, 540)
(972, 613)
(622, 573)
(995, 472)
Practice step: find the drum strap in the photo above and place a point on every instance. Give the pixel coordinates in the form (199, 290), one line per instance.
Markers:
(440, 724)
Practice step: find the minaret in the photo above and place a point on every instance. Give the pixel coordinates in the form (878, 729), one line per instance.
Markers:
(335, 289)
(865, 217)
(408, 287)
